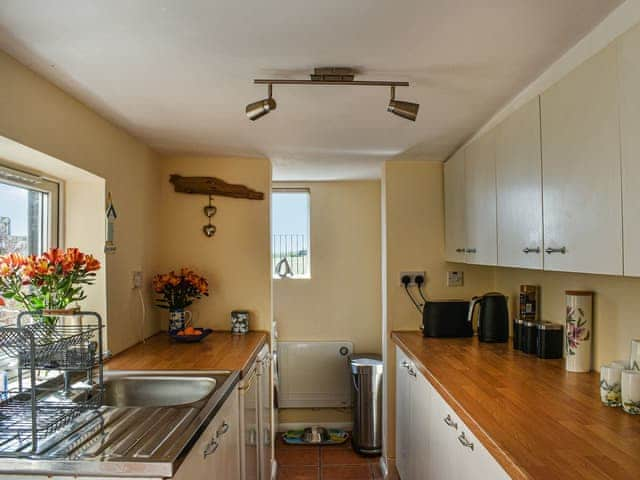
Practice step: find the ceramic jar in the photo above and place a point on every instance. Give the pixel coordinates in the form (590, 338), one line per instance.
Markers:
(579, 330)
(610, 380)
(631, 391)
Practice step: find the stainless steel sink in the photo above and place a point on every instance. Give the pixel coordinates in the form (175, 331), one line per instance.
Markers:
(155, 390)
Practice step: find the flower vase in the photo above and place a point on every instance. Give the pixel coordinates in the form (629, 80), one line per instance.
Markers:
(579, 330)
(179, 319)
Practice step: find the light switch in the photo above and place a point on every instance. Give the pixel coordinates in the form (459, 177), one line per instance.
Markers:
(455, 279)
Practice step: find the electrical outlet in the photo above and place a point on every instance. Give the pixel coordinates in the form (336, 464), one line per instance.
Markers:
(455, 279)
(137, 279)
(412, 275)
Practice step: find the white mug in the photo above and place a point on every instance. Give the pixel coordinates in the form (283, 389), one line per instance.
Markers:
(634, 358)
(624, 364)
(631, 391)
(610, 379)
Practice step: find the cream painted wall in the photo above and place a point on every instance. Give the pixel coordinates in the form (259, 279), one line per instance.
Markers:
(616, 305)
(236, 260)
(35, 113)
(341, 300)
(413, 235)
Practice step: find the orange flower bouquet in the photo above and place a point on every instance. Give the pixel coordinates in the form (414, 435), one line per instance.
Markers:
(178, 290)
(51, 281)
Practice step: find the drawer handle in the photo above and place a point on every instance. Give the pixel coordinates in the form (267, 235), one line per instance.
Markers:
(449, 421)
(224, 428)
(411, 372)
(464, 441)
(561, 250)
(459, 250)
(211, 448)
(405, 364)
(531, 250)
(470, 250)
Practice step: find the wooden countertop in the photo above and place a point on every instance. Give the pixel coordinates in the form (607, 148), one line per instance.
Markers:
(219, 351)
(538, 420)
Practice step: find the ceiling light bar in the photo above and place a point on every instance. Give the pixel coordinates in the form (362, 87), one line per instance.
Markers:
(340, 76)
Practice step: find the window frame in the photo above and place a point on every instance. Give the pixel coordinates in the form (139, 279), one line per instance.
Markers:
(285, 190)
(29, 181)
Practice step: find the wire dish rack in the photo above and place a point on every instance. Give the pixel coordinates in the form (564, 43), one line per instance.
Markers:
(70, 344)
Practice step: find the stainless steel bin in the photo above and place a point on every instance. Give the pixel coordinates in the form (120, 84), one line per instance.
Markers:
(366, 376)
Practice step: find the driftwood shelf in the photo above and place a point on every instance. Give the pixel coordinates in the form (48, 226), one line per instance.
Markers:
(213, 186)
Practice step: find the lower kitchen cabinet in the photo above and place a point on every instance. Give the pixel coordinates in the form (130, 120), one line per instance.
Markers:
(216, 455)
(432, 443)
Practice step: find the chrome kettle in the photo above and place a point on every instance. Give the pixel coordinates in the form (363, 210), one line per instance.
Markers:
(493, 317)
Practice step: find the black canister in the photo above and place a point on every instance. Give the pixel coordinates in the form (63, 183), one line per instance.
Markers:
(530, 337)
(550, 340)
(517, 333)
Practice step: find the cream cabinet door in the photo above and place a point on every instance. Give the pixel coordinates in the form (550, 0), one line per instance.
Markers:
(628, 48)
(420, 434)
(216, 454)
(581, 182)
(480, 201)
(519, 188)
(454, 206)
(403, 415)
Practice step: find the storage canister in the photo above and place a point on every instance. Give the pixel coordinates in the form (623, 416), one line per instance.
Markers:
(550, 340)
(530, 337)
(517, 334)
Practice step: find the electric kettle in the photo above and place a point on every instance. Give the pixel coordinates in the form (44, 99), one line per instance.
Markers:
(493, 317)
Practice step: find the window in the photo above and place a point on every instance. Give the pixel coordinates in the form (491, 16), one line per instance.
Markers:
(28, 213)
(290, 229)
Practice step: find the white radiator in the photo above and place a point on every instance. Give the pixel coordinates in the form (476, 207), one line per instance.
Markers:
(314, 374)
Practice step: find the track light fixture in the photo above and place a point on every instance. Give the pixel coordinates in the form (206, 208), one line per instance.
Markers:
(333, 76)
(260, 108)
(406, 110)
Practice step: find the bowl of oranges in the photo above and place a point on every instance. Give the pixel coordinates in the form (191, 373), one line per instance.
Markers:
(190, 334)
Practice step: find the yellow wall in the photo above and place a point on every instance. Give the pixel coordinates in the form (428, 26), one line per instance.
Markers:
(35, 113)
(341, 300)
(236, 260)
(413, 239)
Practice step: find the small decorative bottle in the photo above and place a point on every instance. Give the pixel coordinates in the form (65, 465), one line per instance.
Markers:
(579, 331)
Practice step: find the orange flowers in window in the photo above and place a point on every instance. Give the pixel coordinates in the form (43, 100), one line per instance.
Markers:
(52, 280)
(179, 290)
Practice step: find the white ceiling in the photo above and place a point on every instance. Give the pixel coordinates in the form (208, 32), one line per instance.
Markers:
(178, 73)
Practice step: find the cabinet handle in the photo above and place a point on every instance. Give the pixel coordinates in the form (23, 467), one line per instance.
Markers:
(405, 364)
(561, 250)
(449, 421)
(224, 428)
(470, 250)
(211, 448)
(465, 441)
(411, 372)
(459, 250)
(531, 250)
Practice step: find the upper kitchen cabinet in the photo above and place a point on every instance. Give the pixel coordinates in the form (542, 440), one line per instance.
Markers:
(480, 201)
(629, 46)
(519, 188)
(454, 221)
(582, 206)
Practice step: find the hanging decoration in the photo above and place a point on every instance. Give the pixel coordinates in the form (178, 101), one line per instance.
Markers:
(209, 211)
(111, 215)
(212, 186)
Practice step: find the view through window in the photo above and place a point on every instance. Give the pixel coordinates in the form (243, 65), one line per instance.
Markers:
(290, 227)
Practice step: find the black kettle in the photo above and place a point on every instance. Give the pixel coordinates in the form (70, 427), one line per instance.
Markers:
(493, 318)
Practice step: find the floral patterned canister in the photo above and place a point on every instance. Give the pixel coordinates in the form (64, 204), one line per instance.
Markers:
(579, 331)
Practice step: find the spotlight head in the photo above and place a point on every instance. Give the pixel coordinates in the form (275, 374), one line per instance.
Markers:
(260, 108)
(402, 109)
(406, 110)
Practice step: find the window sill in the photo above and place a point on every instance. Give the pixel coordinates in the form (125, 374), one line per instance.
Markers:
(299, 277)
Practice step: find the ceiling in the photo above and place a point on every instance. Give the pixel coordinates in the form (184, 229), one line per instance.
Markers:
(178, 73)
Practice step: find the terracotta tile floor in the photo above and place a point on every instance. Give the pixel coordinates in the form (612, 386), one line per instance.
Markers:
(339, 462)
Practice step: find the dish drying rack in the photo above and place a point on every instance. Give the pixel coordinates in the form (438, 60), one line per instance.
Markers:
(32, 412)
